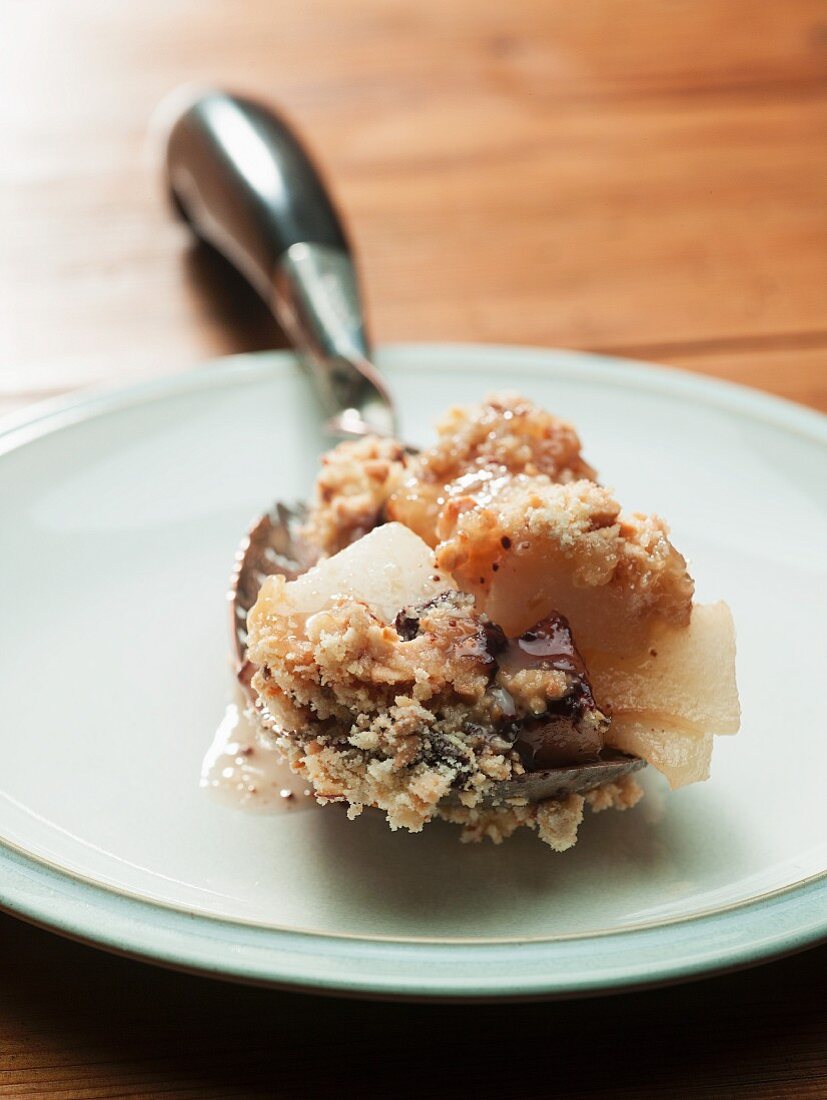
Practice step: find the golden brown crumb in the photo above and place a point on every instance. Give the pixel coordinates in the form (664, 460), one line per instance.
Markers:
(620, 795)
(504, 480)
(355, 480)
(505, 431)
(345, 660)
(505, 435)
(375, 717)
(513, 542)
(555, 821)
(418, 716)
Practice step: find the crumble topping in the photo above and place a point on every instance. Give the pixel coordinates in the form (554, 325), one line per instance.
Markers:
(577, 545)
(482, 611)
(503, 436)
(506, 486)
(555, 821)
(351, 489)
(508, 431)
(397, 715)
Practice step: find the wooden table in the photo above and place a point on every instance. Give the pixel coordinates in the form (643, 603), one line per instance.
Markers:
(641, 177)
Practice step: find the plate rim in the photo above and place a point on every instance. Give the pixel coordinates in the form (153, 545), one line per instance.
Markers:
(756, 930)
(745, 936)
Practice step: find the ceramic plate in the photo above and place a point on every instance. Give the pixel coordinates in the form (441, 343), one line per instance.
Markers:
(120, 514)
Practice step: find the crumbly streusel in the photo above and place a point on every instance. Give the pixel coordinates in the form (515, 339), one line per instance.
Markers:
(555, 821)
(351, 490)
(505, 477)
(421, 712)
(586, 542)
(398, 715)
(503, 436)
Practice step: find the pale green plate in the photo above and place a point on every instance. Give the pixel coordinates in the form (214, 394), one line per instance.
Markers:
(120, 515)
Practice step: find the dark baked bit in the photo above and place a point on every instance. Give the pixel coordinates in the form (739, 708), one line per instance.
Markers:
(541, 700)
(571, 728)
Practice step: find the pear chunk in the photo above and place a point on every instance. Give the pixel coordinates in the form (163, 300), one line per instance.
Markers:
(667, 703)
(682, 757)
(684, 678)
(387, 569)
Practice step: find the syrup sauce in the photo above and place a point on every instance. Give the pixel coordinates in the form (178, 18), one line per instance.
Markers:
(243, 770)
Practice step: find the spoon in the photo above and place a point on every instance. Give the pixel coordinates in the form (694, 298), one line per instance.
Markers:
(241, 178)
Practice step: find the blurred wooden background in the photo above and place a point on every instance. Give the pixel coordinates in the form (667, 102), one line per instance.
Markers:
(641, 177)
(644, 177)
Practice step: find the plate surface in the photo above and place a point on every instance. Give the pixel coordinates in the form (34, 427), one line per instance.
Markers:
(120, 516)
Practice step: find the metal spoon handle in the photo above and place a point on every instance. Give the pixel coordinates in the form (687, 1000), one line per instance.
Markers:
(245, 184)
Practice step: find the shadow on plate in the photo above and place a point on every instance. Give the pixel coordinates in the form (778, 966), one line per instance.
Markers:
(644, 860)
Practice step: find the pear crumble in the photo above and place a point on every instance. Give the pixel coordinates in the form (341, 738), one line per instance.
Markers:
(481, 612)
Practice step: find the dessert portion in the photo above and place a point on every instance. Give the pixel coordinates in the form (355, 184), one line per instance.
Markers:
(481, 612)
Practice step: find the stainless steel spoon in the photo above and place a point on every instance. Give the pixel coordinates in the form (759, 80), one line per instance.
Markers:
(243, 181)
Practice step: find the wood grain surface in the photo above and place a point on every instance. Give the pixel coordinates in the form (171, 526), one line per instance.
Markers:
(641, 177)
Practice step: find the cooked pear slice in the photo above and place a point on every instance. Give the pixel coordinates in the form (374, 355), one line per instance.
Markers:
(683, 680)
(682, 757)
(387, 569)
(668, 702)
